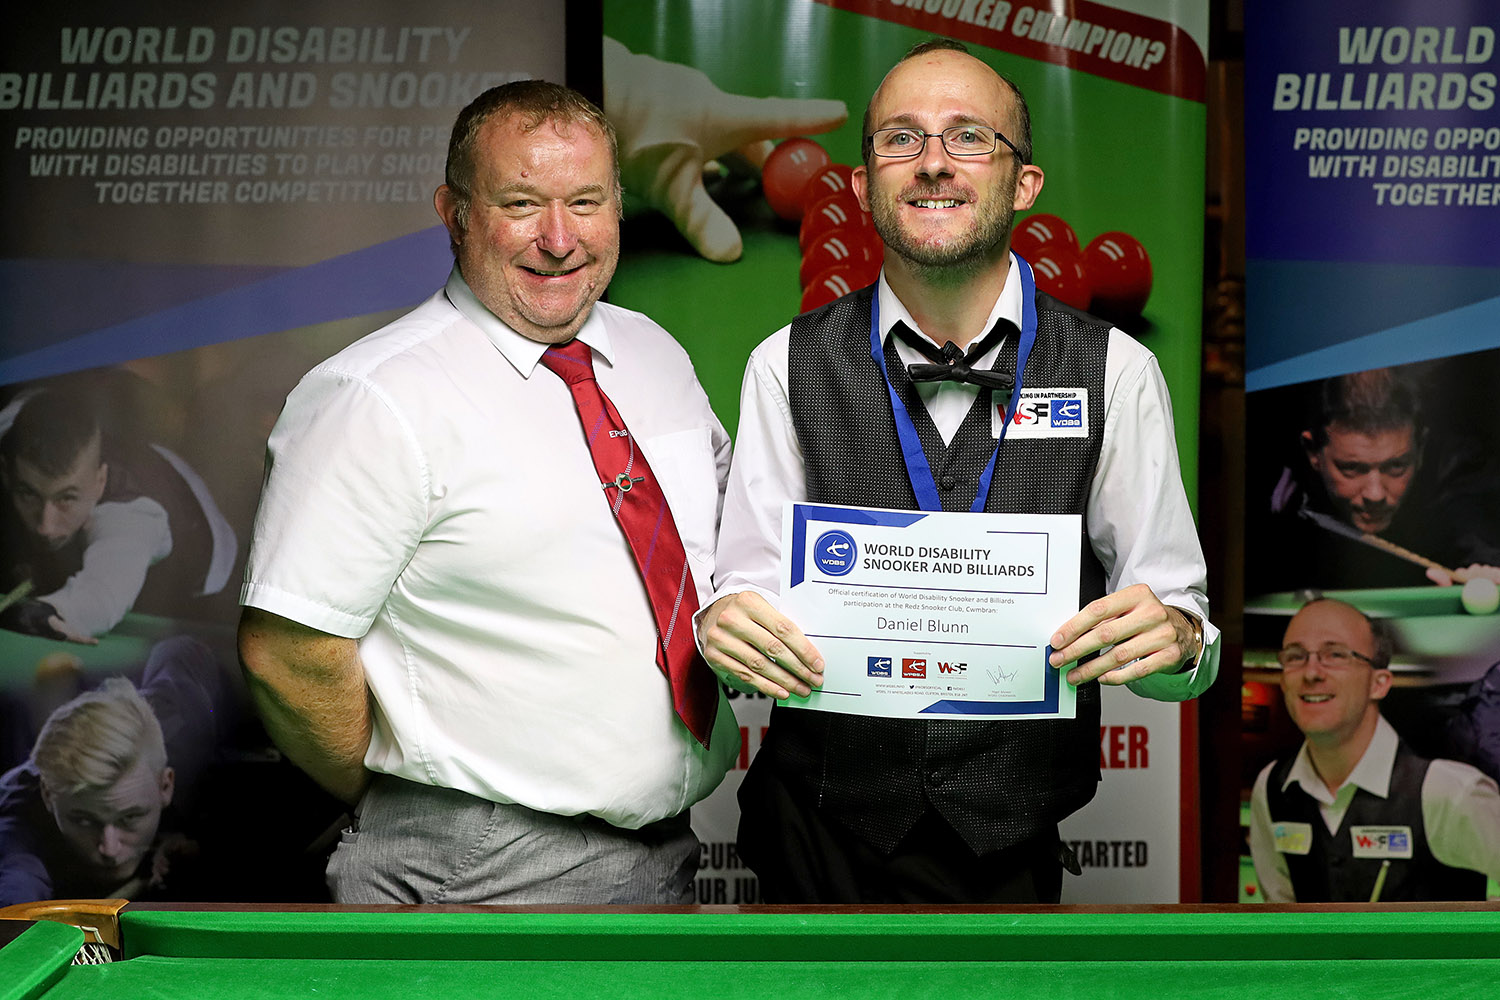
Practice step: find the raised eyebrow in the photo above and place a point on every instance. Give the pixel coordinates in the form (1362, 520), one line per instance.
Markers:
(899, 121)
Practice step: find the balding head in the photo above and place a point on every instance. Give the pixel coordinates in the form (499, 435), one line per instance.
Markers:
(949, 59)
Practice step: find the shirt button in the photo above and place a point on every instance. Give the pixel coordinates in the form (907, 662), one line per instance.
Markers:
(946, 483)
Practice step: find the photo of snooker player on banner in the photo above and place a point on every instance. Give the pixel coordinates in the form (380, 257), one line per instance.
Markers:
(1373, 508)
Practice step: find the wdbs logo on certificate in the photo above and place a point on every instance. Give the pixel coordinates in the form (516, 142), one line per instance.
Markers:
(932, 615)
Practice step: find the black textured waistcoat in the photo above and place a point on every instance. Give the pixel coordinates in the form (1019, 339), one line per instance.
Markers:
(996, 783)
(1329, 871)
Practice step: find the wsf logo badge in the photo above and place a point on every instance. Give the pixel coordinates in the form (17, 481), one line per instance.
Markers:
(878, 666)
(946, 667)
(1381, 841)
(1045, 413)
(834, 553)
(914, 667)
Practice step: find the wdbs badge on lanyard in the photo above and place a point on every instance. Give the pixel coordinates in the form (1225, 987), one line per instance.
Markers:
(917, 469)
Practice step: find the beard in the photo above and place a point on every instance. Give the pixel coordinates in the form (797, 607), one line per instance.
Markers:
(965, 254)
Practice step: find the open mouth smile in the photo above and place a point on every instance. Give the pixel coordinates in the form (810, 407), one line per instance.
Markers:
(551, 272)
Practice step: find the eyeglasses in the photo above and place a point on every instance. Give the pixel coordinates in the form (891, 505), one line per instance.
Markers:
(1333, 656)
(959, 140)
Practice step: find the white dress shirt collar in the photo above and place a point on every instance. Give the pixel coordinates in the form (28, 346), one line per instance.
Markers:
(522, 352)
(1007, 306)
(1372, 773)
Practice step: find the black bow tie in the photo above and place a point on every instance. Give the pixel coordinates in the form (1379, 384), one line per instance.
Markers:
(951, 364)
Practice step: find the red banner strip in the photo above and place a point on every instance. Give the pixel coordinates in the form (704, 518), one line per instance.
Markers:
(1088, 37)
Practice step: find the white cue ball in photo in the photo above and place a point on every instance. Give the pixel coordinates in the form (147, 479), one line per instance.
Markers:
(1481, 596)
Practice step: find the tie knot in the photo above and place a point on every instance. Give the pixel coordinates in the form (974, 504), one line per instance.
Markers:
(572, 362)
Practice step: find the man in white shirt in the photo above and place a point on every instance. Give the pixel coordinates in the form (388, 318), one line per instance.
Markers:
(1354, 815)
(446, 588)
(844, 808)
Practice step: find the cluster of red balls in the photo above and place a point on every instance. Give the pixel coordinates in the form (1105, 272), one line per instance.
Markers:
(840, 251)
(1111, 277)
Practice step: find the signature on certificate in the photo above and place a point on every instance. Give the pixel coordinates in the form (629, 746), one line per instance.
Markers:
(998, 676)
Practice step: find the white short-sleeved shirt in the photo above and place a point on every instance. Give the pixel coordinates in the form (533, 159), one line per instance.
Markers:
(430, 492)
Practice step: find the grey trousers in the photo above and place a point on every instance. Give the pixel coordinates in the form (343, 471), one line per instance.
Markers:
(415, 843)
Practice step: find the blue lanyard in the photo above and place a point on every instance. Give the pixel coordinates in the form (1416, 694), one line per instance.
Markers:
(917, 469)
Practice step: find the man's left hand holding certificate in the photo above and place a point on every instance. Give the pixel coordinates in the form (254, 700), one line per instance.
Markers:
(932, 615)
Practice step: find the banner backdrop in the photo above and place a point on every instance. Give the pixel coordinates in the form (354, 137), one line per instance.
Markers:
(200, 202)
(723, 254)
(1373, 282)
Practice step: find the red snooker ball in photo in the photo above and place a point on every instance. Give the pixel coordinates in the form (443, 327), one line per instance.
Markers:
(1036, 232)
(1060, 273)
(839, 210)
(830, 180)
(786, 172)
(1120, 271)
(834, 283)
(856, 246)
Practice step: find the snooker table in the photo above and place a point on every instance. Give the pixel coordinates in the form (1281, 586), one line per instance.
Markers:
(121, 650)
(1430, 623)
(216, 952)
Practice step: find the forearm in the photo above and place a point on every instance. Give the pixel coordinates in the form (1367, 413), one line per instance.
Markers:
(309, 689)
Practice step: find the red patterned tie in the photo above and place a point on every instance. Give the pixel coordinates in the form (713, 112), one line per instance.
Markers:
(637, 501)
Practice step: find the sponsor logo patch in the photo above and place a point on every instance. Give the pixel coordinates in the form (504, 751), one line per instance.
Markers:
(1293, 838)
(1381, 841)
(1045, 413)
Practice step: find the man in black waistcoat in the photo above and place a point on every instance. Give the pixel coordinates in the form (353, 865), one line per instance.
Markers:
(1354, 815)
(98, 525)
(849, 808)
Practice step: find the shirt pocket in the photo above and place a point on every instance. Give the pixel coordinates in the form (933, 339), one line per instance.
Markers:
(683, 462)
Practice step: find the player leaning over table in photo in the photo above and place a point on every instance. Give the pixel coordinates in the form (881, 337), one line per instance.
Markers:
(98, 524)
(90, 812)
(1378, 497)
(845, 808)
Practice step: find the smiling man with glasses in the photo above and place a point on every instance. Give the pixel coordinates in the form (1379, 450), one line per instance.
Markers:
(844, 808)
(1354, 814)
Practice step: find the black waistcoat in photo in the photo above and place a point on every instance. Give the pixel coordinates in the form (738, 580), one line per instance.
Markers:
(996, 783)
(1330, 873)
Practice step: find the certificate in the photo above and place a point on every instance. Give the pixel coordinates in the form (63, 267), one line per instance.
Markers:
(932, 615)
